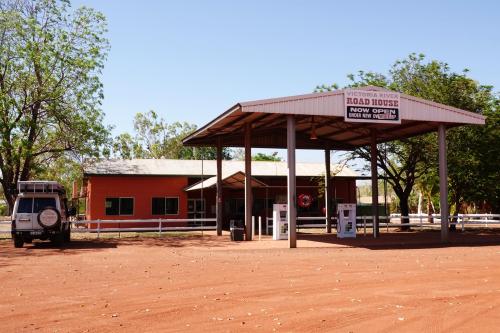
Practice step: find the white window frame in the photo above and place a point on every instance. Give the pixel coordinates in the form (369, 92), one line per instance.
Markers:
(119, 206)
(165, 198)
(178, 204)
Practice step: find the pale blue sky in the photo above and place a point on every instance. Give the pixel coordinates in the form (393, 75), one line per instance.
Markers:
(191, 60)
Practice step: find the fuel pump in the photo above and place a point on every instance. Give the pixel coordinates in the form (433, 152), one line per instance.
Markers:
(346, 226)
(280, 222)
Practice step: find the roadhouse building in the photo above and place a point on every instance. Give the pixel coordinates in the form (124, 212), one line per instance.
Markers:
(186, 189)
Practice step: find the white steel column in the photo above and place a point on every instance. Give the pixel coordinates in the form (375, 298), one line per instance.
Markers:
(328, 192)
(219, 203)
(443, 183)
(248, 181)
(292, 208)
(373, 158)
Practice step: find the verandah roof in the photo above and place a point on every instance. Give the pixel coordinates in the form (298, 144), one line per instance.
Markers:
(268, 119)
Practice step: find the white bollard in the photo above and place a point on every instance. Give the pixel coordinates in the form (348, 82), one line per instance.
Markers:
(260, 226)
(253, 226)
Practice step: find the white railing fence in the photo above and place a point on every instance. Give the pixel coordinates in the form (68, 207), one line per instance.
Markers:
(394, 221)
(205, 224)
(119, 226)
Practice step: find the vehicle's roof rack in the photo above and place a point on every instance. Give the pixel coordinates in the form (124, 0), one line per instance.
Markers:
(40, 186)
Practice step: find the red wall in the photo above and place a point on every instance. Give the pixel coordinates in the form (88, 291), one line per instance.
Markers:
(144, 188)
(141, 188)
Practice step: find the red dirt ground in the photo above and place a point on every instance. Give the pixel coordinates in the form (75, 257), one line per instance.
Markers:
(209, 284)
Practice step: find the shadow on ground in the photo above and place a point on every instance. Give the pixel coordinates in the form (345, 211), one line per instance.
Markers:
(82, 245)
(410, 239)
(183, 240)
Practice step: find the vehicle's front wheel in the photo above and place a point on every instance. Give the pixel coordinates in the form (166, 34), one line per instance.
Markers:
(18, 241)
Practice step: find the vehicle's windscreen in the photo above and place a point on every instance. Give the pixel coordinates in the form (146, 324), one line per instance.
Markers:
(41, 203)
(25, 205)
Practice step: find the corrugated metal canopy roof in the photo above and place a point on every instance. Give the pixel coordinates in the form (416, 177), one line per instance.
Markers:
(167, 167)
(234, 181)
(268, 119)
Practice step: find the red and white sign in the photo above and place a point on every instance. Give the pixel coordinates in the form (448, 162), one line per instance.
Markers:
(371, 106)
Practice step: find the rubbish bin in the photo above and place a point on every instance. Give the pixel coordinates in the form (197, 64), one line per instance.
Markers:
(237, 230)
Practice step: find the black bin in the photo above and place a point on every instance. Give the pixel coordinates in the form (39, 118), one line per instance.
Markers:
(236, 227)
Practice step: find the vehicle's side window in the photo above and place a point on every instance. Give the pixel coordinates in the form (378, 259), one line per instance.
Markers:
(25, 205)
(64, 206)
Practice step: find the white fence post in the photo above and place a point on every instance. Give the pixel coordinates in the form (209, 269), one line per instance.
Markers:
(260, 226)
(98, 228)
(159, 227)
(253, 226)
(364, 223)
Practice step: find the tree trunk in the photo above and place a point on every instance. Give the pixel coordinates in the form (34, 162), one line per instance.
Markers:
(453, 227)
(430, 209)
(405, 211)
(9, 197)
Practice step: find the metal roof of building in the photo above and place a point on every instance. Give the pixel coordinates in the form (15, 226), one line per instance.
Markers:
(167, 167)
(268, 120)
(234, 181)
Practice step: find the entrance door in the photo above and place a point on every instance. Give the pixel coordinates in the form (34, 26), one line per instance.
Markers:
(196, 210)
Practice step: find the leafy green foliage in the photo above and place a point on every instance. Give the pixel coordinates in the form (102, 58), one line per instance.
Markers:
(266, 157)
(471, 150)
(50, 91)
(155, 138)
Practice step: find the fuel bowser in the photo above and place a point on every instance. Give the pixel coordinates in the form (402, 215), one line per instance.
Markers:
(280, 221)
(346, 223)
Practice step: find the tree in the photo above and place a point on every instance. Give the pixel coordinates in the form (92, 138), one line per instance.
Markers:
(473, 159)
(50, 91)
(126, 147)
(155, 138)
(267, 157)
(410, 159)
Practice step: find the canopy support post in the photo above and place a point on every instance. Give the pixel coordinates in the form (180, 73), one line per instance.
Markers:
(443, 183)
(248, 181)
(373, 160)
(219, 202)
(328, 192)
(291, 207)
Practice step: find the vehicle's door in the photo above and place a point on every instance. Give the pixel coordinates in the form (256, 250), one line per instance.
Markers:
(40, 203)
(24, 214)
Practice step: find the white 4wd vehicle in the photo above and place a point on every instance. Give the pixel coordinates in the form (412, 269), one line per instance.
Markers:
(41, 212)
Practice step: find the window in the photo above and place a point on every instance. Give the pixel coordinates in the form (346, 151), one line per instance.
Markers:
(172, 206)
(158, 206)
(30, 205)
(25, 205)
(119, 206)
(41, 203)
(165, 206)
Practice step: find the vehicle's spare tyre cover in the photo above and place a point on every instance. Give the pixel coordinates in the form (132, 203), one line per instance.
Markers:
(49, 218)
